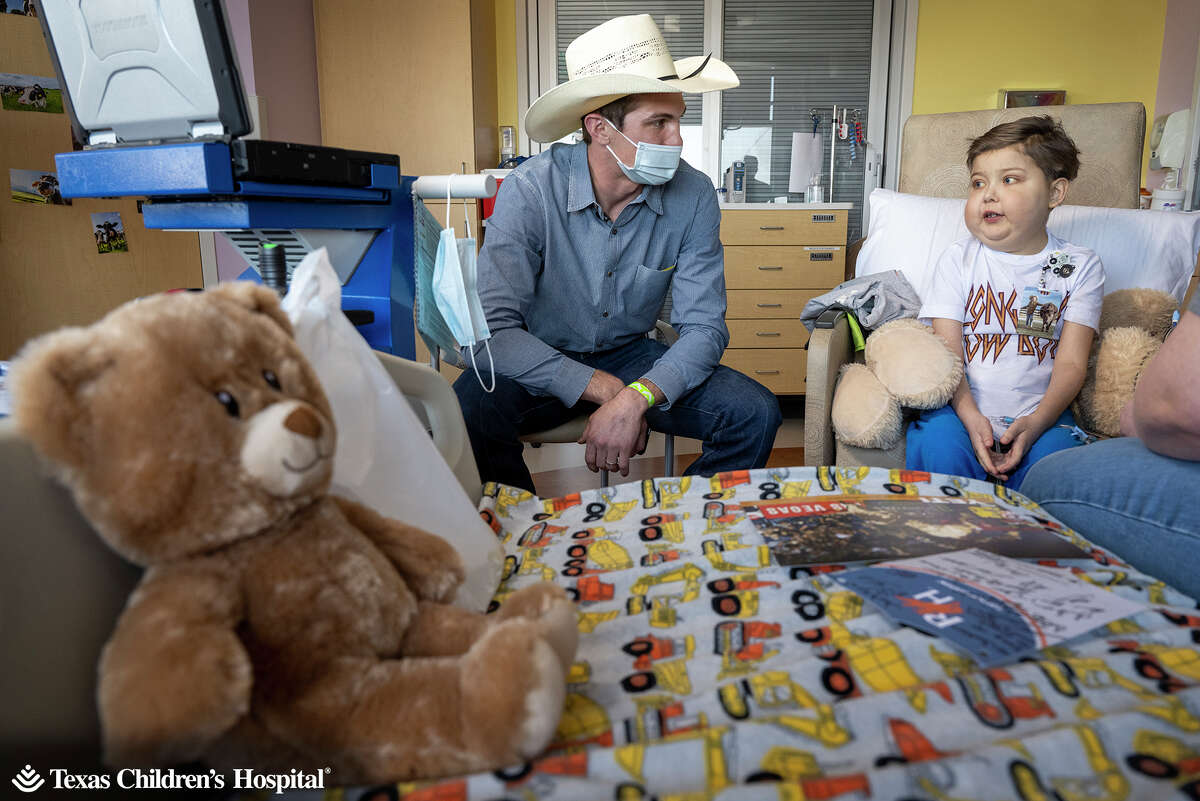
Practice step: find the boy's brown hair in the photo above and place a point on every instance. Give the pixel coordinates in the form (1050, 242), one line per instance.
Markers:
(1041, 138)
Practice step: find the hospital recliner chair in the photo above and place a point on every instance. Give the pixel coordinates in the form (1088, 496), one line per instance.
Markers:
(932, 163)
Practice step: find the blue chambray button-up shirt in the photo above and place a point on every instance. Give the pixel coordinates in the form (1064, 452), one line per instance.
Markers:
(556, 276)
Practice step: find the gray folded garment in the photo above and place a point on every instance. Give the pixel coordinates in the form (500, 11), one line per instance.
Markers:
(873, 299)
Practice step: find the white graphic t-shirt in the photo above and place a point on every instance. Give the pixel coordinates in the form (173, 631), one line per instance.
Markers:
(1012, 309)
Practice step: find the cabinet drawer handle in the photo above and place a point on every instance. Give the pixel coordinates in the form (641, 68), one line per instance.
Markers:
(770, 227)
(767, 334)
(770, 267)
(766, 372)
(769, 305)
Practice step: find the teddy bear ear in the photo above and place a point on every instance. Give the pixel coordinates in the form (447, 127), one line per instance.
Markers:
(47, 378)
(256, 298)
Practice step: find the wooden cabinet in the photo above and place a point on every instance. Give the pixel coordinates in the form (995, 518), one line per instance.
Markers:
(776, 260)
(414, 79)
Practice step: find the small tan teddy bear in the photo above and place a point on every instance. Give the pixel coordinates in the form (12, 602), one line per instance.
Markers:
(276, 626)
(907, 364)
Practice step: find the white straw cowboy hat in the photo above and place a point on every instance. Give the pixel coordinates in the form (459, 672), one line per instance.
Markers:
(624, 56)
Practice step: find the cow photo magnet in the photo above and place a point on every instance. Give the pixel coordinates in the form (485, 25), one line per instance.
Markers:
(1038, 311)
(23, 8)
(30, 93)
(109, 232)
(35, 186)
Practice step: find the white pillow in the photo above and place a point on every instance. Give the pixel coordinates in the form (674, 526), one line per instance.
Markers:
(1149, 249)
(908, 233)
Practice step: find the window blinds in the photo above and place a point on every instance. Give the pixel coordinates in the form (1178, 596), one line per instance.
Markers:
(792, 56)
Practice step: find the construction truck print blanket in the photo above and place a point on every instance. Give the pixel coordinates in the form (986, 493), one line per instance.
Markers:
(708, 670)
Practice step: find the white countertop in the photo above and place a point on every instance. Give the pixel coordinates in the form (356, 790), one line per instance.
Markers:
(787, 206)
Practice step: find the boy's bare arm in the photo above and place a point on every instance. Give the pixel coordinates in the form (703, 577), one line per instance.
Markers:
(979, 429)
(951, 332)
(1070, 369)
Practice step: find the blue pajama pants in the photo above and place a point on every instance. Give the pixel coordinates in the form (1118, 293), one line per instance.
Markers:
(938, 442)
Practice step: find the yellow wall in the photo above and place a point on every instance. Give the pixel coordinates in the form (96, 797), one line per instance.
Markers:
(1100, 51)
(506, 61)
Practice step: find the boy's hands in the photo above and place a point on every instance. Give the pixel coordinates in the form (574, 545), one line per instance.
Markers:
(979, 429)
(1019, 436)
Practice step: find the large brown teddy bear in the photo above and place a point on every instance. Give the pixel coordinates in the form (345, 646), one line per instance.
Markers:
(1133, 325)
(276, 626)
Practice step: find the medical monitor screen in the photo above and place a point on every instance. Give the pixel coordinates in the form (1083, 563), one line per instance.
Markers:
(137, 71)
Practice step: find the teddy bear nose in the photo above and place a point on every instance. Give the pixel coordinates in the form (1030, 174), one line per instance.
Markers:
(303, 422)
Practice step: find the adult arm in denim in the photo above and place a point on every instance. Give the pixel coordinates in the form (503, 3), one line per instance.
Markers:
(697, 307)
(1165, 410)
(509, 265)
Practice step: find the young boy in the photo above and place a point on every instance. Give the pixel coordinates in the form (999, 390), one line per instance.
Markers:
(1019, 304)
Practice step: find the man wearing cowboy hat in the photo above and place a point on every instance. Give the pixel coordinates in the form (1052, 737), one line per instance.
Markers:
(584, 245)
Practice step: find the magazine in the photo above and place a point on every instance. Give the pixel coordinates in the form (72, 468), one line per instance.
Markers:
(838, 529)
(995, 608)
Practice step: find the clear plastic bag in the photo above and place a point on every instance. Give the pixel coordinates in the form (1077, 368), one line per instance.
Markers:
(385, 457)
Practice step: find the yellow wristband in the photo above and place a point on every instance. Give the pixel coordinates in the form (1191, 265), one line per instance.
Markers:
(643, 391)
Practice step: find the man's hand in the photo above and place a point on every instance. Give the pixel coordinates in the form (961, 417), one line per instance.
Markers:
(1020, 437)
(602, 388)
(616, 432)
(979, 429)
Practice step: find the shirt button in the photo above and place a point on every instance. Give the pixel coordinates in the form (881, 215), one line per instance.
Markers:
(613, 230)
(604, 315)
(610, 273)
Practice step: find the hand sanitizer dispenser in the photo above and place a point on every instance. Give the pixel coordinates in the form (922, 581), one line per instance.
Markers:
(735, 183)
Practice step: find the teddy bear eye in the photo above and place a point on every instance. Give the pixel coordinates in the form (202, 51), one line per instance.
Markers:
(229, 402)
(272, 379)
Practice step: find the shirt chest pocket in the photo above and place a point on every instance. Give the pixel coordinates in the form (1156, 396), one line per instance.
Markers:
(646, 294)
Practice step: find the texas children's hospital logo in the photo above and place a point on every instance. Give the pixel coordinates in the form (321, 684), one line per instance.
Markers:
(29, 780)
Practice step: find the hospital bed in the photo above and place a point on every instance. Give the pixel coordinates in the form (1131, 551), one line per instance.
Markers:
(909, 229)
(705, 668)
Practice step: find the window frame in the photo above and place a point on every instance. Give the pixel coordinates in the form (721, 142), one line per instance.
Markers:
(893, 49)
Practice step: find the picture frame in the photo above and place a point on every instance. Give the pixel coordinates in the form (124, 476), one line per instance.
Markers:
(1028, 98)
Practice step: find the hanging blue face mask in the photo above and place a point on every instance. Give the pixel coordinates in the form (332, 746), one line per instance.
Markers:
(652, 164)
(456, 293)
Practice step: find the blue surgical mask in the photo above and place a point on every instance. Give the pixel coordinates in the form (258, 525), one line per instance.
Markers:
(652, 164)
(456, 293)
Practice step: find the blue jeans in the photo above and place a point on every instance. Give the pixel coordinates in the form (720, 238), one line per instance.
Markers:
(733, 415)
(938, 442)
(1122, 496)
